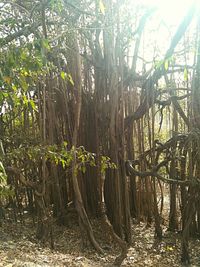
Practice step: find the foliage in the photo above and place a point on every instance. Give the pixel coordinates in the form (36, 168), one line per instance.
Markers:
(58, 155)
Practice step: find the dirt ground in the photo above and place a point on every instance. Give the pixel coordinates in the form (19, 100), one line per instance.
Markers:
(19, 248)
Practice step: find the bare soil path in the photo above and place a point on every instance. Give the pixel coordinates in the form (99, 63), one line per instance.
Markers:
(19, 248)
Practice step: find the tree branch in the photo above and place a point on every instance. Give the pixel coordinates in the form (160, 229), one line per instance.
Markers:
(148, 85)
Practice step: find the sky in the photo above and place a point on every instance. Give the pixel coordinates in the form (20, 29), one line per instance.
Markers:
(171, 10)
(163, 24)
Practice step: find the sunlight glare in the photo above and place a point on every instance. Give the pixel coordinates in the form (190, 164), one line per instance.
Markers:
(171, 11)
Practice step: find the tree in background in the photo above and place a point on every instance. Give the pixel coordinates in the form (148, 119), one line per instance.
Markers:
(96, 111)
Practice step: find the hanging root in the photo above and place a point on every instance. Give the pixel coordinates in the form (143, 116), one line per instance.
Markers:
(185, 257)
(85, 223)
(122, 244)
(118, 261)
(190, 212)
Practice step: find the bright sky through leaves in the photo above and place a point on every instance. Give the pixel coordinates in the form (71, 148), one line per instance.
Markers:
(171, 11)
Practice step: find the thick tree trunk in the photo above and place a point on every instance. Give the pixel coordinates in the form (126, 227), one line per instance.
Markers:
(83, 218)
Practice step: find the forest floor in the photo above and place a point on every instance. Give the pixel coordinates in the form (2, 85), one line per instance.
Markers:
(19, 248)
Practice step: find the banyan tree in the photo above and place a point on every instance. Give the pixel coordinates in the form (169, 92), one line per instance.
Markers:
(100, 114)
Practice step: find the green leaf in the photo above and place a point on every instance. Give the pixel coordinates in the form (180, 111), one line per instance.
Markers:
(102, 7)
(63, 75)
(83, 169)
(23, 55)
(65, 144)
(69, 78)
(56, 5)
(23, 82)
(185, 74)
(14, 87)
(32, 104)
(45, 44)
(166, 64)
(158, 64)
(25, 100)
(63, 162)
